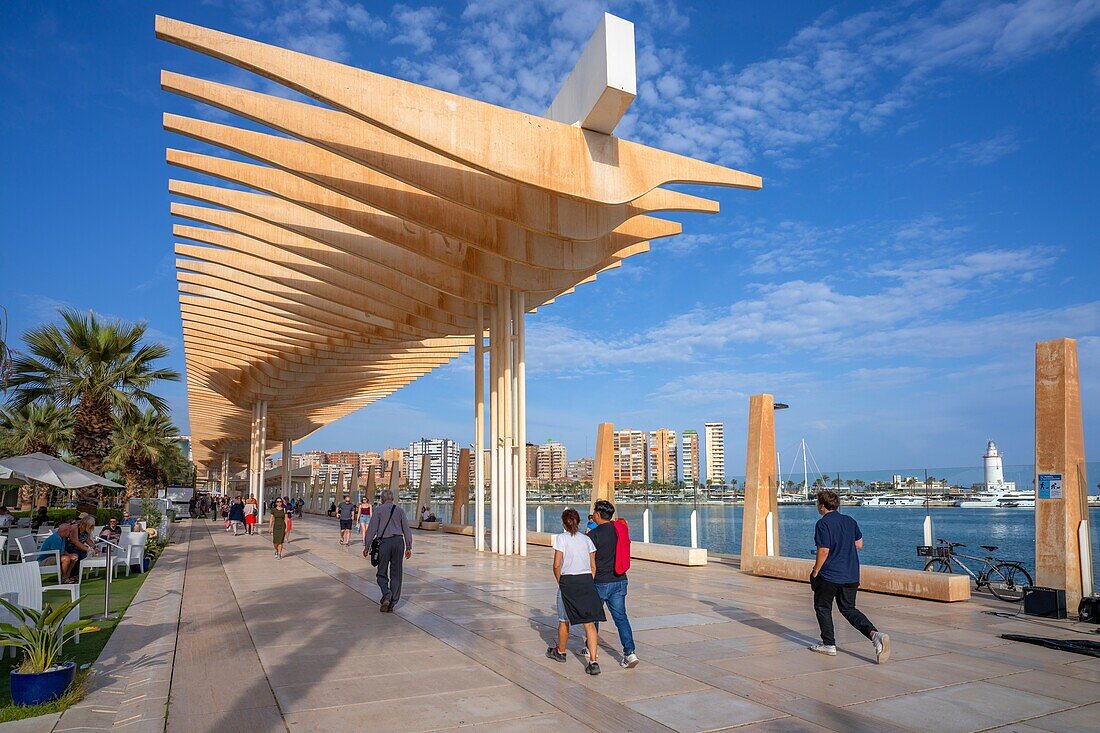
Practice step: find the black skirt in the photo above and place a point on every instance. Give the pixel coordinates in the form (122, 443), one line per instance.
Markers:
(582, 602)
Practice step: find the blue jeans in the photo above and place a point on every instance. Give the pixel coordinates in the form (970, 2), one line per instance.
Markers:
(614, 595)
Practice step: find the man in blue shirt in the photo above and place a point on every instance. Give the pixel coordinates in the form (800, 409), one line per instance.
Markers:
(836, 576)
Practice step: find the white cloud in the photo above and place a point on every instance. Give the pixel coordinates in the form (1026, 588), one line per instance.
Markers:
(417, 27)
(977, 152)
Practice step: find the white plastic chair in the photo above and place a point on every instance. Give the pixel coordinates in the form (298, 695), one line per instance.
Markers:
(29, 553)
(100, 561)
(23, 523)
(3, 548)
(134, 545)
(25, 583)
(14, 534)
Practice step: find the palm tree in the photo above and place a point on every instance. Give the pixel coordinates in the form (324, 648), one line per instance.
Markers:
(36, 428)
(146, 452)
(101, 368)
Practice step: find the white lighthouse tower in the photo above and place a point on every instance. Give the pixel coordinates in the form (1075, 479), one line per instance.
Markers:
(994, 470)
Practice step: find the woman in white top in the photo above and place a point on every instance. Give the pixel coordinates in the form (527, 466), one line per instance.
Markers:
(578, 601)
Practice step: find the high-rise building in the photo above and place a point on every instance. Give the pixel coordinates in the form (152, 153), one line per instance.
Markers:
(443, 457)
(532, 463)
(344, 458)
(579, 470)
(691, 458)
(393, 459)
(486, 458)
(337, 474)
(663, 454)
(714, 436)
(551, 459)
(628, 448)
(370, 461)
(314, 458)
(184, 442)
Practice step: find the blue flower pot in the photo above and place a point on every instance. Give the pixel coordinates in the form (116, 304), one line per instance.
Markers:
(40, 687)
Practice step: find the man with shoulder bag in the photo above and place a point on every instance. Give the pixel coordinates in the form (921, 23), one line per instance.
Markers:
(387, 543)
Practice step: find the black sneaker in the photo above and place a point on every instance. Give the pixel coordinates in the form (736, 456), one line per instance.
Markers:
(553, 653)
(593, 668)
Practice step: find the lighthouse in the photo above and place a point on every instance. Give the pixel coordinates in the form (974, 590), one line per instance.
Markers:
(994, 470)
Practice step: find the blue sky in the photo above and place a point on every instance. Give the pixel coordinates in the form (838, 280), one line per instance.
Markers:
(929, 208)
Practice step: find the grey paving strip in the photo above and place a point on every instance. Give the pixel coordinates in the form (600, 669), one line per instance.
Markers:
(129, 686)
(578, 702)
(218, 683)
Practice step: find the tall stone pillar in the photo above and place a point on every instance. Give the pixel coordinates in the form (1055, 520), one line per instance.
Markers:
(424, 497)
(603, 467)
(372, 488)
(1062, 487)
(462, 488)
(760, 471)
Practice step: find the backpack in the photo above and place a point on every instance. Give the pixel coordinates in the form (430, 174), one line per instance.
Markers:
(622, 546)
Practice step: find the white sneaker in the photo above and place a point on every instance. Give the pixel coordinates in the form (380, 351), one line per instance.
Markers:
(826, 649)
(881, 642)
(630, 661)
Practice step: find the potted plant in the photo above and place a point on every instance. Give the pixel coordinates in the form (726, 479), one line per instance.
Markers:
(40, 677)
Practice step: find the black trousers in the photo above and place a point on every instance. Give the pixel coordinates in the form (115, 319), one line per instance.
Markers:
(845, 595)
(391, 555)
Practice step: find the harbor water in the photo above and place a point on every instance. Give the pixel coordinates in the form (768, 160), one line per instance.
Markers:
(890, 534)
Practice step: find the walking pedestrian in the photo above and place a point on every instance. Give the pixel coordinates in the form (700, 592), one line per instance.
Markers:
(250, 514)
(611, 537)
(836, 577)
(362, 516)
(346, 510)
(578, 602)
(390, 525)
(235, 515)
(277, 525)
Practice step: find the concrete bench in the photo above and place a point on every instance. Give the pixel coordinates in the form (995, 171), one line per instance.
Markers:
(670, 554)
(463, 529)
(429, 526)
(947, 587)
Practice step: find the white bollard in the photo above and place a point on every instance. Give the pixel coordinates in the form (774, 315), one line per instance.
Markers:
(928, 533)
(1086, 557)
(694, 528)
(769, 522)
(538, 518)
(645, 525)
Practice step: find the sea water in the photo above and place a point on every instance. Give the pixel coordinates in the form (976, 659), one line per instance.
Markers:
(890, 534)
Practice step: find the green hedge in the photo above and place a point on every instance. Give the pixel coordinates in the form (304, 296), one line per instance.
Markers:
(56, 516)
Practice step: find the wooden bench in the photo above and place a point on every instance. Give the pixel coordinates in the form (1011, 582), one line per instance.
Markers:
(670, 554)
(946, 587)
(463, 529)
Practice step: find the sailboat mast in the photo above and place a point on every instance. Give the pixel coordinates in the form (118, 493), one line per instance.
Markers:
(805, 471)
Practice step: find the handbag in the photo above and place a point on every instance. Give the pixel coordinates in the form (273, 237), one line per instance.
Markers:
(228, 524)
(375, 548)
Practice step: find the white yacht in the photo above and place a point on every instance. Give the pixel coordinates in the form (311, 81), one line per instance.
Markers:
(998, 500)
(893, 500)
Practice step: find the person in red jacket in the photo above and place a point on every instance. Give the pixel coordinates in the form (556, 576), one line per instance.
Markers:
(612, 540)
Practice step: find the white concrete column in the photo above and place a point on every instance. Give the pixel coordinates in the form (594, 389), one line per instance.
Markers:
(288, 447)
(521, 418)
(261, 451)
(479, 431)
(494, 429)
(507, 420)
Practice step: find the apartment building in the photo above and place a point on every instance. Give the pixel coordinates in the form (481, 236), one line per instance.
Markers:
(551, 462)
(443, 460)
(714, 438)
(629, 450)
(663, 456)
(690, 444)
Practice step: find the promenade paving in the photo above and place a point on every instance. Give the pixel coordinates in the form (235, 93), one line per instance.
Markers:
(299, 645)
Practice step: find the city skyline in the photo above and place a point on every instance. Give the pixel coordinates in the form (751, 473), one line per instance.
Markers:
(889, 282)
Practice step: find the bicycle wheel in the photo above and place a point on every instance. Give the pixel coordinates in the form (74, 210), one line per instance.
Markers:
(1006, 580)
(938, 565)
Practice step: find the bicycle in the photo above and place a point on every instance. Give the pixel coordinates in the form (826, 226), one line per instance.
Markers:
(1006, 579)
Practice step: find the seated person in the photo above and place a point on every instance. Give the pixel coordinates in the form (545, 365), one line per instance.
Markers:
(332, 509)
(427, 516)
(112, 531)
(131, 521)
(6, 518)
(39, 518)
(71, 539)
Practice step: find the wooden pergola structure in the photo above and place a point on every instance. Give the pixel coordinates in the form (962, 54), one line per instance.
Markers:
(378, 236)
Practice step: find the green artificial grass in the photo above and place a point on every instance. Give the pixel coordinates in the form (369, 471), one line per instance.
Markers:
(92, 641)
